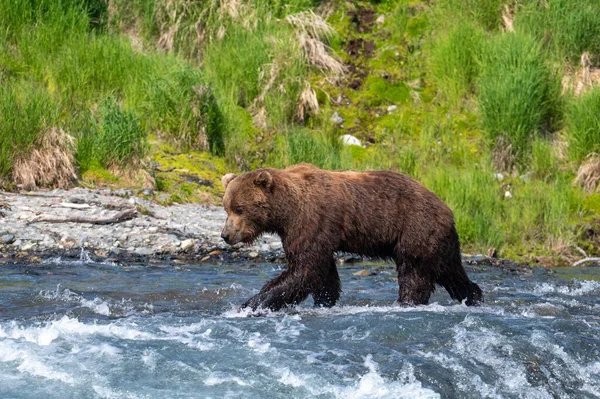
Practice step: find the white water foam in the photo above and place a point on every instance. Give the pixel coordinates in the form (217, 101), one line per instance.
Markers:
(373, 385)
(29, 363)
(579, 287)
(489, 347)
(587, 374)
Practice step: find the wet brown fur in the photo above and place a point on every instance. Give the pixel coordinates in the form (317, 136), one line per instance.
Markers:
(378, 214)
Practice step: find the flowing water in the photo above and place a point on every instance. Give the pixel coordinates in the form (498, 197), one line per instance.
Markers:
(100, 330)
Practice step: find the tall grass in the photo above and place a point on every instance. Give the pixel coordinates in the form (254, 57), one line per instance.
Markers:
(26, 110)
(116, 140)
(321, 149)
(485, 13)
(453, 60)
(568, 27)
(583, 125)
(518, 92)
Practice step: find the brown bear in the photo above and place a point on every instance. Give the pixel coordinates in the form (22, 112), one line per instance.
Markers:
(379, 214)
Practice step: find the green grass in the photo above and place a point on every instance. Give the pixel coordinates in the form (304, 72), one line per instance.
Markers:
(26, 111)
(453, 61)
(116, 140)
(518, 92)
(583, 125)
(567, 27)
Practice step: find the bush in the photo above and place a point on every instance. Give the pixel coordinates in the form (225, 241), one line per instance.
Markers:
(583, 125)
(518, 93)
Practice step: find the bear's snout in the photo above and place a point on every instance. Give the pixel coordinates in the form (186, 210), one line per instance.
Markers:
(225, 236)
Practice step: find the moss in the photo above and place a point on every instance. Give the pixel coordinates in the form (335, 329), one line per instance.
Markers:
(379, 91)
(592, 203)
(191, 177)
(99, 177)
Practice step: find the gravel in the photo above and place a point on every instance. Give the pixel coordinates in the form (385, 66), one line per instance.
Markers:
(189, 231)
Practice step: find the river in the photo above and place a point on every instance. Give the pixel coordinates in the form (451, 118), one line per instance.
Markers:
(81, 329)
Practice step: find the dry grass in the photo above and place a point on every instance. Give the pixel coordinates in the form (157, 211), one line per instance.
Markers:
(580, 81)
(508, 18)
(259, 118)
(588, 175)
(503, 157)
(308, 103)
(49, 164)
(311, 30)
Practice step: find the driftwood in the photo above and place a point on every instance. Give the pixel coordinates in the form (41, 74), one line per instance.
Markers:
(116, 218)
(586, 260)
(71, 205)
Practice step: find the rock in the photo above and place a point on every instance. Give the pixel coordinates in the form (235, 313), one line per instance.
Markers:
(507, 194)
(144, 251)
(75, 199)
(337, 119)
(7, 239)
(253, 254)
(35, 259)
(380, 20)
(123, 193)
(498, 176)
(348, 139)
(187, 244)
(205, 258)
(392, 108)
(276, 245)
(148, 192)
(27, 246)
(362, 272)
(101, 253)
(215, 252)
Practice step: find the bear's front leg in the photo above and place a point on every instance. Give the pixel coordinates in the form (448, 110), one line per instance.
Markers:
(286, 289)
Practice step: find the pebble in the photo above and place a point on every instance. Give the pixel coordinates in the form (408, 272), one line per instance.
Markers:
(186, 244)
(337, 119)
(8, 239)
(144, 251)
(142, 236)
(348, 139)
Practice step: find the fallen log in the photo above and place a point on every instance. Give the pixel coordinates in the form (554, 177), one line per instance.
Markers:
(586, 260)
(116, 218)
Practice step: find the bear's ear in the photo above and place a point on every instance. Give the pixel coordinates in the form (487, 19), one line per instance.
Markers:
(264, 179)
(227, 179)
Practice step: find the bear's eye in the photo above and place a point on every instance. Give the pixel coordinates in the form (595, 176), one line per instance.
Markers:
(238, 210)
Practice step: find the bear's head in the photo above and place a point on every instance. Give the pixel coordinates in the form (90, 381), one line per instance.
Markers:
(247, 203)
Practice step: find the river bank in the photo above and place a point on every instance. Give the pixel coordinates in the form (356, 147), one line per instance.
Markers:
(128, 227)
(117, 225)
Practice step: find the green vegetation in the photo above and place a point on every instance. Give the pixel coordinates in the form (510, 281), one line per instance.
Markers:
(464, 95)
(583, 125)
(517, 92)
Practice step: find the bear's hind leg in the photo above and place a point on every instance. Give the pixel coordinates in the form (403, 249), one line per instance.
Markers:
(415, 287)
(327, 288)
(455, 280)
